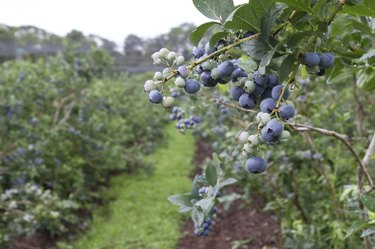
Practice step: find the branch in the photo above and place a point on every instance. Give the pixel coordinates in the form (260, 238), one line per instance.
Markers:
(342, 138)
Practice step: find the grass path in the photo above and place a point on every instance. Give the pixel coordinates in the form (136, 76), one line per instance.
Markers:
(141, 216)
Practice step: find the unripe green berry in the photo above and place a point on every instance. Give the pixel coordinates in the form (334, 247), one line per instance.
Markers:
(179, 82)
(285, 135)
(214, 73)
(158, 76)
(168, 102)
(253, 140)
(164, 53)
(206, 65)
(247, 149)
(180, 60)
(249, 86)
(171, 56)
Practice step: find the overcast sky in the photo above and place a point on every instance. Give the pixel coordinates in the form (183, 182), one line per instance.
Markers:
(112, 19)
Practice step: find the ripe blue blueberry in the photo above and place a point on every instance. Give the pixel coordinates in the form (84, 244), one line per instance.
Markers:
(273, 80)
(259, 79)
(192, 86)
(225, 69)
(246, 101)
(155, 97)
(197, 52)
(286, 111)
(311, 59)
(207, 79)
(267, 105)
(238, 73)
(183, 71)
(236, 92)
(276, 91)
(256, 165)
(326, 60)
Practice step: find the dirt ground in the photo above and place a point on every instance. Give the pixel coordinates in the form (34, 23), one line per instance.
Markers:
(243, 226)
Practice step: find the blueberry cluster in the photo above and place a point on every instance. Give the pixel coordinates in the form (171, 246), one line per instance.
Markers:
(184, 123)
(323, 61)
(205, 229)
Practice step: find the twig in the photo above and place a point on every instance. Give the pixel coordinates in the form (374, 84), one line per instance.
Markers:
(342, 138)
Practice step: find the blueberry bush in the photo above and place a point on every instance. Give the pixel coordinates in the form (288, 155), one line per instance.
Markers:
(271, 69)
(67, 125)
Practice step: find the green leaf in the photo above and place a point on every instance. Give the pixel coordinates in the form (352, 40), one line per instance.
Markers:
(303, 5)
(367, 232)
(183, 200)
(286, 67)
(265, 61)
(197, 216)
(366, 9)
(206, 205)
(211, 174)
(318, 9)
(256, 48)
(355, 228)
(216, 37)
(369, 85)
(249, 16)
(197, 34)
(227, 181)
(213, 9)
(367, 55)
(268, 21)
(368, 200)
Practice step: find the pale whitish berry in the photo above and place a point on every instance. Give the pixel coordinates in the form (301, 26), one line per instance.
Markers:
(247, 148)
(253, 140)
(214, 73)
(265, 117)
(180, 60)
(206, 65)
(158, 62)
(158, 76)
(149, 86)
(258, 117)
(243, 136)
(285, 135)
(164, 53)
(166, 72)
(171, 56)
(179, 82)
(155, 56)
(168, 102)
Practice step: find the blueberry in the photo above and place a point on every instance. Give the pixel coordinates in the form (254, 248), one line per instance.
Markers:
(197, 232)
(259, 90)
(311, 59)
(259, 79)
(197, 52)
(236, 92)
(272, 131)
(267, 93)
(246, 101)
(256, 165)
(326, 60)
(183, 71)
(273, 80)
(155, 97)
(225, 69)
(286, 111)
(267, 105)
(238, 73)
(207, 79)
(206, 232)
(192, 86)
(276, 91)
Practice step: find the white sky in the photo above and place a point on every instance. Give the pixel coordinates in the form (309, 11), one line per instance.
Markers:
(111, 19)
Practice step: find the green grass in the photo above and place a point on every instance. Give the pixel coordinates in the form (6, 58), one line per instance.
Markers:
(141, 216)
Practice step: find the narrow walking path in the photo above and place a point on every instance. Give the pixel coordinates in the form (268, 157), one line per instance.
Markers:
(141, 216)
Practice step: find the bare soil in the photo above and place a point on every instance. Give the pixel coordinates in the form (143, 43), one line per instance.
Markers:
(244, 225)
